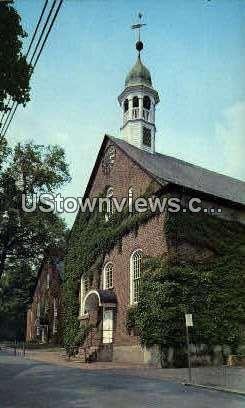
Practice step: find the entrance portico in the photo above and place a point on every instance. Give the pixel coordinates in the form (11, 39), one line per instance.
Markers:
(99, 308)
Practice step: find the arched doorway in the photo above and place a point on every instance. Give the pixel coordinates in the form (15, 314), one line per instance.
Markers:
(100, 308)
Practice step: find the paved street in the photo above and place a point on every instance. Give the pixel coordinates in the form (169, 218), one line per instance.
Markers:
(26, 383)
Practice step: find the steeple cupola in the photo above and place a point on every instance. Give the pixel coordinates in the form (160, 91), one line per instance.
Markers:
(138, 101)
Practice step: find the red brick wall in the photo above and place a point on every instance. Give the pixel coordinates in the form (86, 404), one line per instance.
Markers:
(150, 239)
(43, 294)
(126, 174)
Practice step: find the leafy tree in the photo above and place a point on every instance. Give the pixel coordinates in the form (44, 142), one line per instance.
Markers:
(30, 169)
(15, 296)
(14, 69)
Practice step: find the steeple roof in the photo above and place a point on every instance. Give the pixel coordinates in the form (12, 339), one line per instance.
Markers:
(138, 75)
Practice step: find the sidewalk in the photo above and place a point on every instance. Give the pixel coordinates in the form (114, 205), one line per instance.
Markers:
(229, 379)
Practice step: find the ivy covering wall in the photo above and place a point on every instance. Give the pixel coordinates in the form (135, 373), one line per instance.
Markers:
(90, 240)
(211, 289)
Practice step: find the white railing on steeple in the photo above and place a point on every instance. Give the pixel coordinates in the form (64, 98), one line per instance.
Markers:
(135, 113)
(146, 114)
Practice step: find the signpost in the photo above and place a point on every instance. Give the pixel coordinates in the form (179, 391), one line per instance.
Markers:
(188, 323)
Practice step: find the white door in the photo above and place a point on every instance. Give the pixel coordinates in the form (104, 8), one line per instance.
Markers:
(107, 326)
(43, 335)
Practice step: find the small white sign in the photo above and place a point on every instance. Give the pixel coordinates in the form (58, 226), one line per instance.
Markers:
(188, 320)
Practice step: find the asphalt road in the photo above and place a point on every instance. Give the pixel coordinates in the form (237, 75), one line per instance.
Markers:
(25, 383)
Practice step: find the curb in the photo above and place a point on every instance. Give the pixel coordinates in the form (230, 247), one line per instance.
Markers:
(210, 387)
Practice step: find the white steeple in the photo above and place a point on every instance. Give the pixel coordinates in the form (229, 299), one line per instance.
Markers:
(138, 101)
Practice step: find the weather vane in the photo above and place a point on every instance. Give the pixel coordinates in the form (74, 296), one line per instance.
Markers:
(139, 44)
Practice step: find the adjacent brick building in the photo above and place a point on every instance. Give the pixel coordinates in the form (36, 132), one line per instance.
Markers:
(44, 316)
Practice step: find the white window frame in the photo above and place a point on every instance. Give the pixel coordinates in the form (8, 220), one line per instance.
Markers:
(55, 307)
(83, 292)
(48, 281)
(109, 196)
(132, 275)
(108, 284)
(130, 198)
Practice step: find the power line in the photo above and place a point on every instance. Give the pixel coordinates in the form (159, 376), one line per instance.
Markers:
(37, 27)
(43, 30)
(38, 56)
(10, 120)
(4, 112)
(50, 28)
(8, 113)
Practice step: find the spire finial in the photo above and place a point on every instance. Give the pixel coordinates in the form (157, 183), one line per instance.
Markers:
(139, 44)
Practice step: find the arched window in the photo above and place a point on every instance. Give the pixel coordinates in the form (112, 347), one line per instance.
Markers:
(125, 105)
(135, 275)
(108, 276)
(109, 203)
(146, 102)
(84, 288)
(130, 198)
(135, 102)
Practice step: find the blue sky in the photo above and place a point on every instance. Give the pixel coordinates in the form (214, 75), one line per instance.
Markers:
(195, 50)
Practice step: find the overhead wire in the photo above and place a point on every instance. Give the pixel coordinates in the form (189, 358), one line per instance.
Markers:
(14, 106)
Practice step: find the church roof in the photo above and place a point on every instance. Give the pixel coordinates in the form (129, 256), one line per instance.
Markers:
(138, 75)
(169, 169)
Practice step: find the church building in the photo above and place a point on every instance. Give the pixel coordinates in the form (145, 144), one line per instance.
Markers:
(129, 166)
